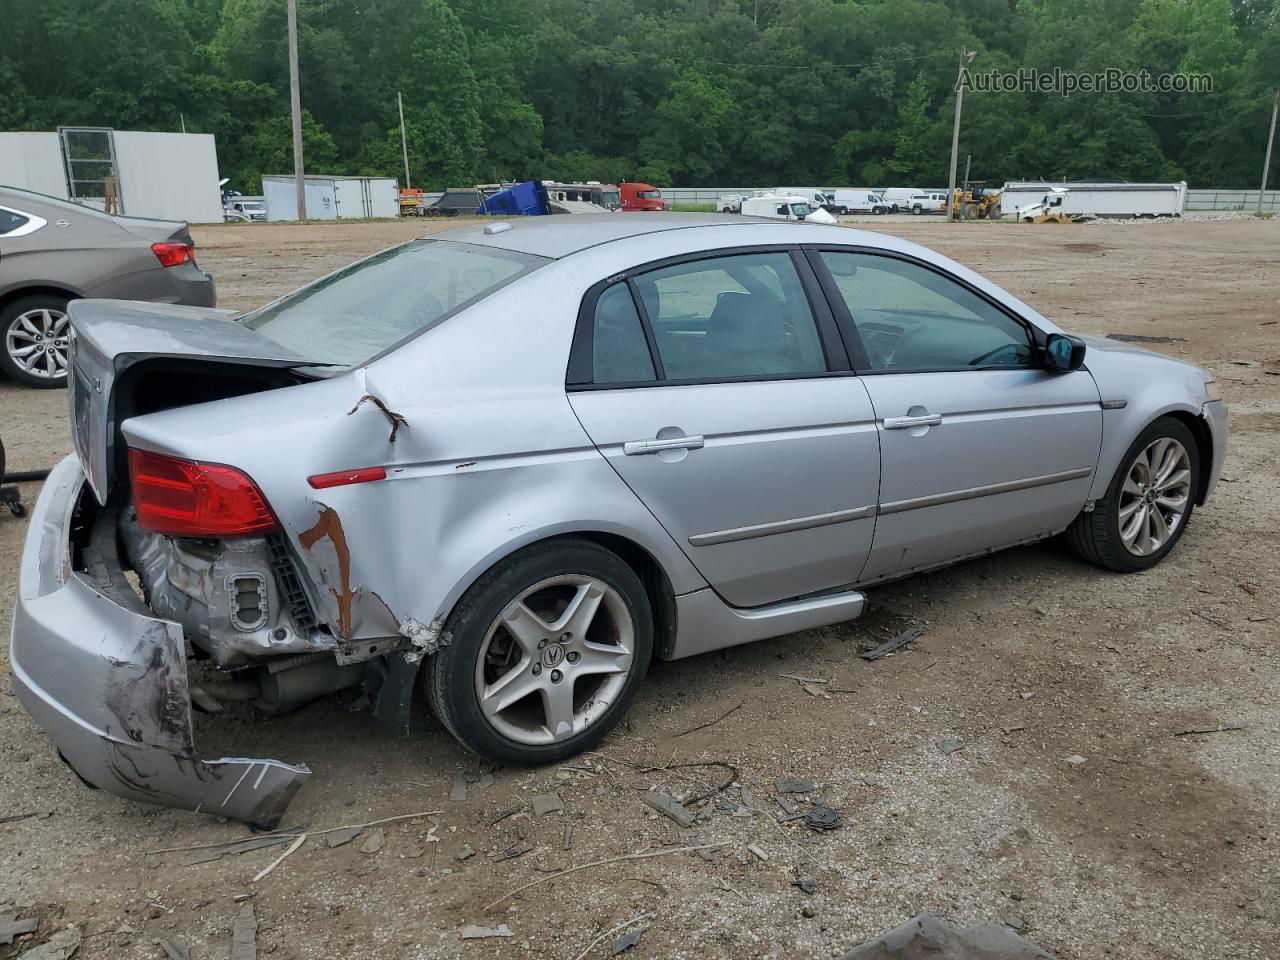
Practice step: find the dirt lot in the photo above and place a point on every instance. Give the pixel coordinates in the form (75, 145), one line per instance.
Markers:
(1155, 846)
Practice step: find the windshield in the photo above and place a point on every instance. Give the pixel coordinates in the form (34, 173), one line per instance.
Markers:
(350, 317)
(609, 198)
(648, 194)
(801, 210)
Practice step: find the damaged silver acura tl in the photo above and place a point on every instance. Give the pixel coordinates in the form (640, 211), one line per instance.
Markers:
(497, 471)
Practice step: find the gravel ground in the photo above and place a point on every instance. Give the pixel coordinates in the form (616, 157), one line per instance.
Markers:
(1155, 846)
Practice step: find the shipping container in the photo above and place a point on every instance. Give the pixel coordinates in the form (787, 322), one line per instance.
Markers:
(1106, 199)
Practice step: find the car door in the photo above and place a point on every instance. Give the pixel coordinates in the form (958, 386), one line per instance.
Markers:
(981, 447)
(718, 388)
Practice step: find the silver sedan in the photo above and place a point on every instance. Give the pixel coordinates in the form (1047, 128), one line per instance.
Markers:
(498, 471)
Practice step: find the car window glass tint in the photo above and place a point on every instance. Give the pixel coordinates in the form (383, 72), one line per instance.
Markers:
(620, 353)
(9, 220)
(911, 318)
(738, 316)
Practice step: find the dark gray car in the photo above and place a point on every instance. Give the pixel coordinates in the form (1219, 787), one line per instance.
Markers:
(53, 251)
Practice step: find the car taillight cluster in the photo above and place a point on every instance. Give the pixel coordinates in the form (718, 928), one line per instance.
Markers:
(171, 254)
(188, 499)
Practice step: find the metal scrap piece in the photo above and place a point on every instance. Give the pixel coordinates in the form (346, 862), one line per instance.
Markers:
(175, 950)
(792, 785)
(11, 927)
(58, 947)
(472, 932)
(668, 807)
(625, 942)
(897, 643)
(244, 935)
(822, 818)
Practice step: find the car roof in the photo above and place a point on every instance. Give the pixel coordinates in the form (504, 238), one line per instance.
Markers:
(560, 235)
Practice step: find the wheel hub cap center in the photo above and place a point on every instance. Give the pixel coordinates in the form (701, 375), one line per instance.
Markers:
(552, 655)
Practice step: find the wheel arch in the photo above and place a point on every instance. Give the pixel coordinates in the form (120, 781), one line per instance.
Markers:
(36, 290)
(657, 584)
(1204, 448)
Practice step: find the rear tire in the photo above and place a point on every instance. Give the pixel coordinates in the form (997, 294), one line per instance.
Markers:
(33, 341)
(506, 626)
(1109, 535)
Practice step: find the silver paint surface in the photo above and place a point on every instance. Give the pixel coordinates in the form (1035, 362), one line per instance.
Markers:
(793, 501)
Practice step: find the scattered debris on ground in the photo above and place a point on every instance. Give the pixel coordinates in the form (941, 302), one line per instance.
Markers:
(60, 946)
(910, 635)
(244, 935)
(927, 938)
(950, 745)
(473, 932)
(1209, 728)
(11, 926)
(668, 807)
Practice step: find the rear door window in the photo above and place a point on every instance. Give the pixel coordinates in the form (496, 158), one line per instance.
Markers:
(619, 349)
(727, 317)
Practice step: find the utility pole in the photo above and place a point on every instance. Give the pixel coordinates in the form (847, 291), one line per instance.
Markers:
(295, 106)
(404, 142)
(966, 57)
(1266, 163)
(968, 158)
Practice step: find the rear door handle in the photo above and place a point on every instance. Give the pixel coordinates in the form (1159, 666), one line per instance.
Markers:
(635, 448)
(905, 423)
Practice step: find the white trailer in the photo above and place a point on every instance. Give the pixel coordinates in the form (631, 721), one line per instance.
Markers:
(1109, 199)
(331, 197)
(167, 176)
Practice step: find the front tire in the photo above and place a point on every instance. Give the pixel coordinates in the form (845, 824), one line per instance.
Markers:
(545, 653)
(1148, 504)
(34, 333)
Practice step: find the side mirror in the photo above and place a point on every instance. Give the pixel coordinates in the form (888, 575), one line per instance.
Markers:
(1063, 353)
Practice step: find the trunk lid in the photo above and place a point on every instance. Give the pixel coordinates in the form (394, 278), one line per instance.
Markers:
(114, 341)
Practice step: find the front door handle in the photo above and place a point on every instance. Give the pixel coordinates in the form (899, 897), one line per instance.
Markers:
(635, 448)
(906, 423)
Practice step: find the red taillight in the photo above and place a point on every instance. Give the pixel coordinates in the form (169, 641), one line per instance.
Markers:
(188, 499)
(344, 477)
(171, 254)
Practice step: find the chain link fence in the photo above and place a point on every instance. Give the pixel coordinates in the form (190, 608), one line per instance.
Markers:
(90, 158)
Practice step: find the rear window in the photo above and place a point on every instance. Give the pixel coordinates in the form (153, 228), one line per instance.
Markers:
(359, 312)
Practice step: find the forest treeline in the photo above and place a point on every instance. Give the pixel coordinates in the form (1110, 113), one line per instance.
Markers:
(675, 92)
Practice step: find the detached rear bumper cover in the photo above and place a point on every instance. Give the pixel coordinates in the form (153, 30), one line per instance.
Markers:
(108, 683)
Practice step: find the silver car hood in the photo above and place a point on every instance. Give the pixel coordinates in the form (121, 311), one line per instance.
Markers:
(110, 336)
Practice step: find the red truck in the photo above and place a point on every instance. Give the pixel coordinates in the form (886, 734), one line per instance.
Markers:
(641, 196)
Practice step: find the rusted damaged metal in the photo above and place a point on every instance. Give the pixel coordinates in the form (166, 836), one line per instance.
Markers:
(328, 527)
(426, 639)
(116, 699)
(397, 421)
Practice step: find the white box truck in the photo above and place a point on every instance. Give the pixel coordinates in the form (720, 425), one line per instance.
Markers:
(1103, 199)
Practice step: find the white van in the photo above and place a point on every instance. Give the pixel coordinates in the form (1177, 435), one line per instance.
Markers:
(898, 197)
(861, 201)
(785, 207)
(927, 203)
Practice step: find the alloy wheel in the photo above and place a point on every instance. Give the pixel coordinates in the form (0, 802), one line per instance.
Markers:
(1155, 496)
(36, 342)
(555, 659)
